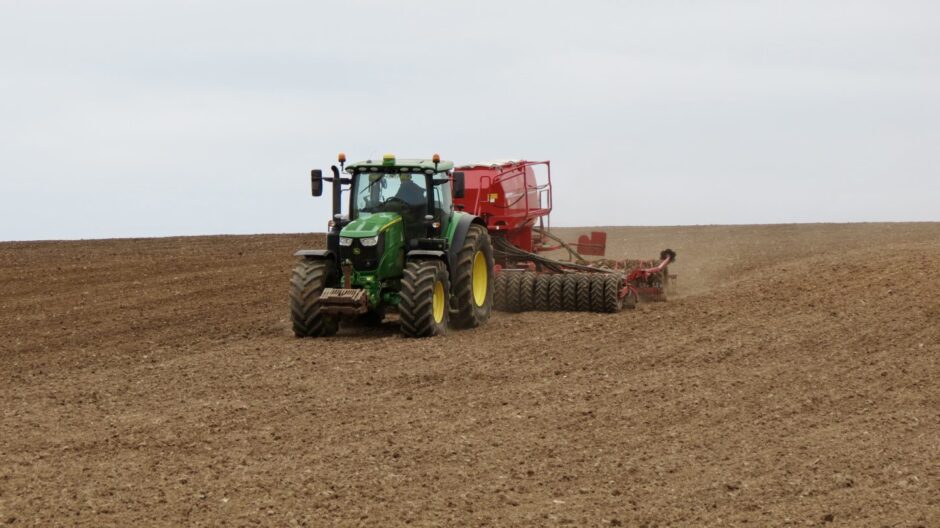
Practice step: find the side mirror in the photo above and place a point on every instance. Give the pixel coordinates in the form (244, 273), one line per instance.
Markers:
(458, 185)
(316, 182)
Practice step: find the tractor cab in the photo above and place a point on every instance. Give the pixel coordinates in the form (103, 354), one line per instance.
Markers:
(395, 206)
(415, 190)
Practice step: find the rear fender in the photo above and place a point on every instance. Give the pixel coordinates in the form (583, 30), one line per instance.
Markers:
(460, 235)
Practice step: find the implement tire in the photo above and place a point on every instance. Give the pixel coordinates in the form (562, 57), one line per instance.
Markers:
(306, 285)
(425, 292)
(542, 286)
(598, 281)
(584, 292)
(472, 294)
(569, 292)
(554, 293)
(499, 292)
(612, 301)
(513, 283)
(527, 292)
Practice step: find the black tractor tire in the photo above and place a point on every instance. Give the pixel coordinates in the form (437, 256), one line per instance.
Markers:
(555, 298)
(542, 287)
(527, 292)
(307, 282)
(513, 298)
(499, 285)
(419, 314)
(584, 292)
(469, 309)
(569, 292)
(612, 301)
(598, 282)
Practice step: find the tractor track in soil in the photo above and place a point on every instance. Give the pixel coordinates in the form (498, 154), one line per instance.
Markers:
(793, 382)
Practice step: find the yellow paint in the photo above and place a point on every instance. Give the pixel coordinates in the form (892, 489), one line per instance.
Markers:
(481, 276)
(437, 305)
(393, 222)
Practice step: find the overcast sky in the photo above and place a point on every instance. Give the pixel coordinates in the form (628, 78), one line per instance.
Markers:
(147, 118)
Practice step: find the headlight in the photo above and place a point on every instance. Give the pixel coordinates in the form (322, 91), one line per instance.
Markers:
(345, 241)
(370, 241)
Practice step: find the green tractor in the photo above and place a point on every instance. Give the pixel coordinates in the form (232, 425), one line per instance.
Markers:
(401, 247)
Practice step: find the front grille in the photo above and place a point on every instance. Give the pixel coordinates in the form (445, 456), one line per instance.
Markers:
(367, 258)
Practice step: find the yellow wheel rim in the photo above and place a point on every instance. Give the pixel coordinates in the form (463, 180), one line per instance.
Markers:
(480, 277)
(438, 303)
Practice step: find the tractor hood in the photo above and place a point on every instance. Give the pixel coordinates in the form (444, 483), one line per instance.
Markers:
(369, 226)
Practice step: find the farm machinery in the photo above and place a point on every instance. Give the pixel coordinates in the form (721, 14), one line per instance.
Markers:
(515, 207)
(402, 246)
(443, 246)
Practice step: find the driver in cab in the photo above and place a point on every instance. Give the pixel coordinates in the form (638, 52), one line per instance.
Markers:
(412, 203)
(410, 193)
(409, 200)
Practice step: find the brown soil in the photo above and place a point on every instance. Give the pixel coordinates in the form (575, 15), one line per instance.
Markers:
(156, 382)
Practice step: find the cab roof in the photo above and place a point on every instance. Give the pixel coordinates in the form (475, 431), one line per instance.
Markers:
(410, 165)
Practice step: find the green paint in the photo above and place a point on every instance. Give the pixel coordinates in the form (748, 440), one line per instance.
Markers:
(367, 281)
(370, 225)
(452, 226)
(392, 261)
(391, 228)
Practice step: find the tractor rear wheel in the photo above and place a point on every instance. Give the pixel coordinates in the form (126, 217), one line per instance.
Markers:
(472, 297)
(425, 294)
(306, 285)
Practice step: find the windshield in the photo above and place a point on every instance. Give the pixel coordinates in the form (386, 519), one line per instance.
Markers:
(399, 193)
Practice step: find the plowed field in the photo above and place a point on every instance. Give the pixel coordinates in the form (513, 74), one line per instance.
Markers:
(794, 382)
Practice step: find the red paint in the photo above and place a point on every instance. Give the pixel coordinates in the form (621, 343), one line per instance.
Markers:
(508, 198)
(594, 245)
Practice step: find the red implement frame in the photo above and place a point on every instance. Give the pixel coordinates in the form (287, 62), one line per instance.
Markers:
(516, 208)
(594, 245)
(639, 277)
(508, 198)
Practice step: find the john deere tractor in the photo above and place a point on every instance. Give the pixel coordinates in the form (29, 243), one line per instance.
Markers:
(401, 247)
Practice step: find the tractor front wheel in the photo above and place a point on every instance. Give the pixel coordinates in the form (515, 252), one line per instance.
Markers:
(425, 297)
(472, 298)
(306, 285)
